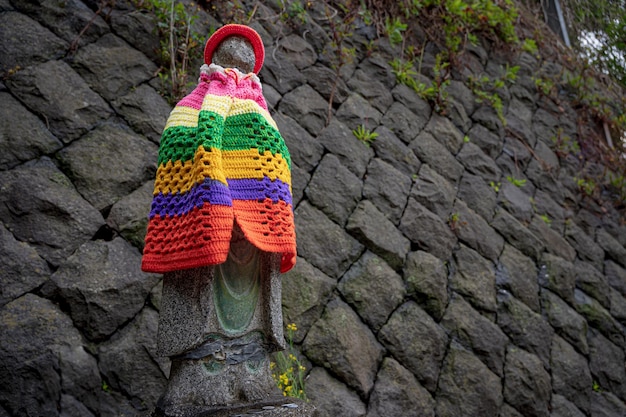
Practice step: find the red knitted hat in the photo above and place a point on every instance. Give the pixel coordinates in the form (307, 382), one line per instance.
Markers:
(236, 30)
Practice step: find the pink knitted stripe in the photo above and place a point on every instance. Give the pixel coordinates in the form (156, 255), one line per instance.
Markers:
(195, 98)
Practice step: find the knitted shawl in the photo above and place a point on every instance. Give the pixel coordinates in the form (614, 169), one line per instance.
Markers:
(221, 159)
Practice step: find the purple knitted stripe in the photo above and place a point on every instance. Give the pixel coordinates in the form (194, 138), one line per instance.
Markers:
(215, 192)
(254, 189)
(209, 191)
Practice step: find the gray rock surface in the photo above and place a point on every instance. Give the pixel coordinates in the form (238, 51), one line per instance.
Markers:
(341, 342)
(427, 283)
(413, 337)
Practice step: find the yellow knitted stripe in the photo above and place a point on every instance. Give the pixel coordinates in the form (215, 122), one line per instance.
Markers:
(221, 105)
(219, 165)
(217, 104)
(241, 106)
(182, 116)
(250, 163)
(180, 177)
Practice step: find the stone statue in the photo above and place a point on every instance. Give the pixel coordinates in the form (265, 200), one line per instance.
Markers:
(221, 229)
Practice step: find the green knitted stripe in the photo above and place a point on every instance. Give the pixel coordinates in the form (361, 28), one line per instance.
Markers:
(251, 130)
(241, 132)
(181, 142)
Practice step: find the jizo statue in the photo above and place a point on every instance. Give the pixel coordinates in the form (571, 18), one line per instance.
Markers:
(221, 230)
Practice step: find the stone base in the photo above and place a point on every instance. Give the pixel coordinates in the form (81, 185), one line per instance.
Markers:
(275, 407)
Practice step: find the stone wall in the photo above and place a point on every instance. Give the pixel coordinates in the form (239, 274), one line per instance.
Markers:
(420, 289)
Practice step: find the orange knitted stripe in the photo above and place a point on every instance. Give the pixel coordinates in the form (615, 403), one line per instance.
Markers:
(197, 238)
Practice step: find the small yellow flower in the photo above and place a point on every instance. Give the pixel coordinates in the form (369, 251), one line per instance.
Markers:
(292, 327)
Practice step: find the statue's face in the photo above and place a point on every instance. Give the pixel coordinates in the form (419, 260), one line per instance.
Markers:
(235, 52)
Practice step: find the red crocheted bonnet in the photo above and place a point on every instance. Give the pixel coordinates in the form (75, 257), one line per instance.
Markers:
(236, 30)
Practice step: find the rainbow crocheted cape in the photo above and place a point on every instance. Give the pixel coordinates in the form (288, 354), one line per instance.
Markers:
(221, 159)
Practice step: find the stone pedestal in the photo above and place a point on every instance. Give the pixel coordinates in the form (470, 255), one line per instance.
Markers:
(276, 407)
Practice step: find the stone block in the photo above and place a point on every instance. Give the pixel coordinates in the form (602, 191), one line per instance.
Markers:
(418, 106)
(553, 241)
(586, 248)
(297, 50)
(517, 273)
(487, 116)
(570, 325)
(341, 342)
(281, 74)
(39, 205)
(599, 318)
(323, 243)
(22, 135)
(526, 328)
(305, 292)
(605, 404)
(68, 18)
(331, 397)
(305, 151)
(473, 230)
(128, 215)
(378, 234)
(433, 192)
(478, 195)
(397, 393)
(478, 163)
(342, 143)
(527, 385)
(570, 374)
(357, 111)
(35, 43)
(23, 269)
(325, 81)
(445, 132)
(517, 234)
(392, 150)
(373, 289)
(427, 230)
(559, 276)
(592, 282)
(43, 89)
(486, 140)
(467, 387)
(433, 153)
(112, 67)
(129, 363)
(457, 115)
(519, 121)
(416, 341)
(42, 356)
(307, 106)
(132, 107)
(401, 121)
(606, 363)
(299, 181)
(375, 92)
(477, 333)
(516, 202)
(545, 205)
(475, 278)
(334, 189)
(105, 268)
(109, 163)
(616, 276)
(387, 188)
(137, 28)
(426, 280)
(561, 407)
(611, 246)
